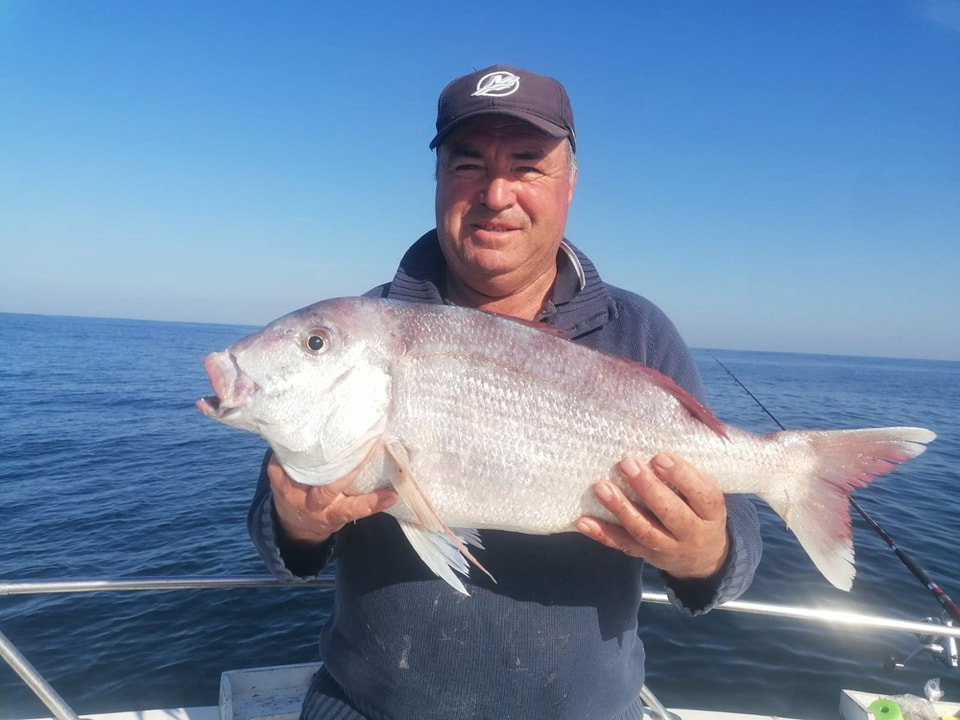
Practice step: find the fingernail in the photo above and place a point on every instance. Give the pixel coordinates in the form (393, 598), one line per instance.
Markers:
(630, 466)
(604, 491)
(586, 526)
(663, 461)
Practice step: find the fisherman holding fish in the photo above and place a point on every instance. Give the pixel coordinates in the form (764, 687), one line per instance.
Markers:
(556, 635)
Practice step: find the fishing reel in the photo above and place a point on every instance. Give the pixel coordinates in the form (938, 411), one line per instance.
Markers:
(941, 648)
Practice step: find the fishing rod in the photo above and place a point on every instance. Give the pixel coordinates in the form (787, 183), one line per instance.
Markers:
(949, 606)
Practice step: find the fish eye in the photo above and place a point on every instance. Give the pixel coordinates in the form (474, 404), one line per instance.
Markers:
(316, 341)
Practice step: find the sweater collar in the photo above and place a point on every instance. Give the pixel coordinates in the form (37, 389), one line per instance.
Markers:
(578, 304)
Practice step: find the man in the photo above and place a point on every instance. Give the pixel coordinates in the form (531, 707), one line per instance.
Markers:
(557, 635)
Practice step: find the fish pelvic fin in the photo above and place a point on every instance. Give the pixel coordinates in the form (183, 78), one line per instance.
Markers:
(440, 548)
(816, 506)
(440, 554)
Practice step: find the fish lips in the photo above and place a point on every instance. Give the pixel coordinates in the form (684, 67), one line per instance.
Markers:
(231, 386)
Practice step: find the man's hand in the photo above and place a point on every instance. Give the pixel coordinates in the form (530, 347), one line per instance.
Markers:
(312, 513)
(679, 524)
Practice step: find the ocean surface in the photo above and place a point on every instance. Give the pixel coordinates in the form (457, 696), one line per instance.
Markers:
(107, 471)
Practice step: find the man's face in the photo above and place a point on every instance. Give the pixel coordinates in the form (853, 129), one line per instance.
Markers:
(503, 190)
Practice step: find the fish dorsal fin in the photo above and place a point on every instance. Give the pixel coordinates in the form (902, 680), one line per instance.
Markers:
(436, 544)
(535, 324)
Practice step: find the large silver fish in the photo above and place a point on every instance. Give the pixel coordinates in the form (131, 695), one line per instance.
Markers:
(482, 422)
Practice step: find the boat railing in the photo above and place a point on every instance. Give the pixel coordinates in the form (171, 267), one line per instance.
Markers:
(846, 618)
(938, 636)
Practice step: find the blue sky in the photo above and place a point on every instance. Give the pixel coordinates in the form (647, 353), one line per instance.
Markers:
(775, 175)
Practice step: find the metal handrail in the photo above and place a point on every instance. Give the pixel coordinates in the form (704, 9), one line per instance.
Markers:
(840, 617)
(35, 681)
(185, 582)
(822, 615)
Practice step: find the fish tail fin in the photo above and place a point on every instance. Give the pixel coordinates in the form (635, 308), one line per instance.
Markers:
(814, 503)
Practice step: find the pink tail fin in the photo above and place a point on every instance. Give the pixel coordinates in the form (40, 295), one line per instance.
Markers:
(815, 505)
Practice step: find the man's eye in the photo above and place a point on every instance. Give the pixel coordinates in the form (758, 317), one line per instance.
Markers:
(467, 171)
(528, 171)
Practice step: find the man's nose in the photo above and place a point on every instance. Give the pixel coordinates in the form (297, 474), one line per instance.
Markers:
(498, 193)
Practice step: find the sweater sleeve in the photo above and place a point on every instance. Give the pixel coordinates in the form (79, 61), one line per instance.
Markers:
(285, 558)
(695, 597)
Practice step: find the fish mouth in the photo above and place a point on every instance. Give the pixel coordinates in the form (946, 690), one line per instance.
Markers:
(231, 386)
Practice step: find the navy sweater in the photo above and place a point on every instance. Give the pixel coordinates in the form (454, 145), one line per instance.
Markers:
(556, 636)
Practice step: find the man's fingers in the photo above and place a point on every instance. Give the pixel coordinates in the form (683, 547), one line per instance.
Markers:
(677, 520)
(613, 536)
(677, 494)
(276, 472)
(699, 492)
(637, 532)
(316, 511)
(347, 508)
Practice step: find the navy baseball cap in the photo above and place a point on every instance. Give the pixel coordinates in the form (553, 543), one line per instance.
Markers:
(504, 90)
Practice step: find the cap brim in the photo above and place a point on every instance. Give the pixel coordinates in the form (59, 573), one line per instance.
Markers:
(545, 126)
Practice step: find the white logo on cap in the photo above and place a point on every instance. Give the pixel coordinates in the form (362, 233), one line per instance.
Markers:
(497, 84)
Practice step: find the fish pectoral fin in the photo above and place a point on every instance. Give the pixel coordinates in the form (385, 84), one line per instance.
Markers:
(438, 546)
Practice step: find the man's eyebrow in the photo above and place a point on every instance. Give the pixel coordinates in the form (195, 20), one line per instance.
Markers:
(460, 149)
(532, 154)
